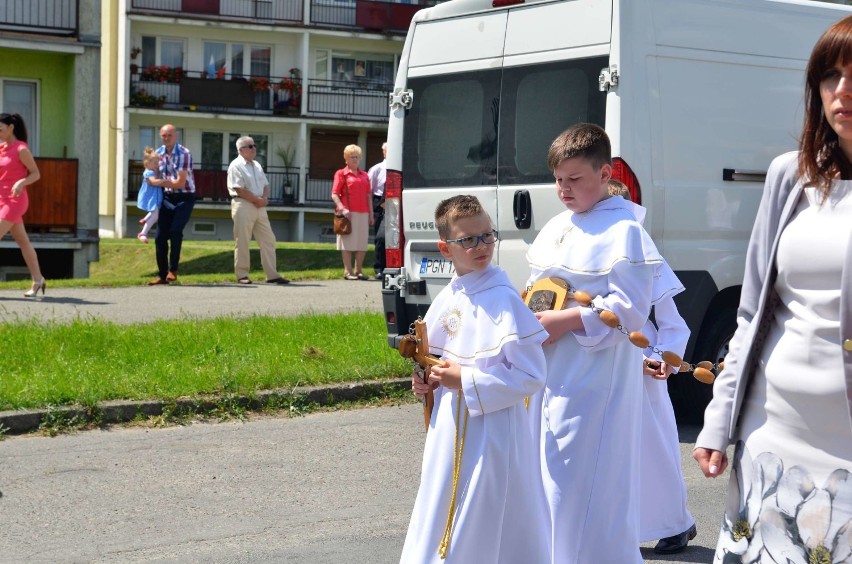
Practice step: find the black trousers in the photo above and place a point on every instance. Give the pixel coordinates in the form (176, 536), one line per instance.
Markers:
(379, 226)
(174, 215)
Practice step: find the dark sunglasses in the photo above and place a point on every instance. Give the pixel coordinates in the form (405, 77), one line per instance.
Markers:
(248, 146)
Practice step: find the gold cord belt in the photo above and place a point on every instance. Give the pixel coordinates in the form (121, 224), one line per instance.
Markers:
(458, 450)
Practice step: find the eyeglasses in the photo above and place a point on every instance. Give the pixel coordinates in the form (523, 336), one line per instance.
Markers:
(470, 242)
(248, 146)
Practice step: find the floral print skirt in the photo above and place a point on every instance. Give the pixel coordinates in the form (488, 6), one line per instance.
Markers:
(778, 513)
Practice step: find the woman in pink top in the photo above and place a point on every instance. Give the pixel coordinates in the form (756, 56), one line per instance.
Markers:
(351, 194)
(18, 170)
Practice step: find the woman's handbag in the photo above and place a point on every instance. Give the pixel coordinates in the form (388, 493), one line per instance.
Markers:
(342, 225)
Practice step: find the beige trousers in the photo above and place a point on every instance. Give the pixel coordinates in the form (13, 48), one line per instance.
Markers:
(250, 220)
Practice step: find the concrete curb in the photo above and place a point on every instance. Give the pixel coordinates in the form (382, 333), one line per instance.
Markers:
(20, 422)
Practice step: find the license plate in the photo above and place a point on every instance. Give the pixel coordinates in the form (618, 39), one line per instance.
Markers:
(436, 267)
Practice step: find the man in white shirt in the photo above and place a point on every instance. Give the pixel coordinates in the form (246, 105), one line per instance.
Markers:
(377, 174)
(249, 191)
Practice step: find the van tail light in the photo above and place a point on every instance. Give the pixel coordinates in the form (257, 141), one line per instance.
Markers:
(394, 237)
(621, 171)
(502, 3)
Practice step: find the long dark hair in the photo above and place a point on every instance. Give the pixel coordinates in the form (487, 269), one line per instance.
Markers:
(821, 158)
(17, 122)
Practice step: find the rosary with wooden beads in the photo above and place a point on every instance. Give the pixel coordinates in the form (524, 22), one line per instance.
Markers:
(553, 293)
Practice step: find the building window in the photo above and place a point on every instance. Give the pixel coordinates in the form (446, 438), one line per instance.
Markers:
(203, 228)
(359, 70)
(147, 138)
(19, 97)
(162, 51)
(211, 150)
(228, 60)
(261, 141)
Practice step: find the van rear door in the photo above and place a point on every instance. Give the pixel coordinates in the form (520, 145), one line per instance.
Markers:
(553, 56)
(450, 134)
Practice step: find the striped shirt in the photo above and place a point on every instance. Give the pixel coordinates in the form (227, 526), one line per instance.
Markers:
(179, 159)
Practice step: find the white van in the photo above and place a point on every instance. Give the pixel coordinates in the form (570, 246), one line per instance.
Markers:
(697, 97)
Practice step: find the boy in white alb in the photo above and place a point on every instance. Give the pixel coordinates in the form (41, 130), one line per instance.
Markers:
(663, 512)
(478, 500)
(591, 406)
(662, 504)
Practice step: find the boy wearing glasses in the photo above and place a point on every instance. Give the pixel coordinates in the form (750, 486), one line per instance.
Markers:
(591, 406)
(477, 501)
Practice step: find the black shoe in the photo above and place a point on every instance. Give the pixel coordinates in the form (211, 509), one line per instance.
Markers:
(676, 543)
(278, 281)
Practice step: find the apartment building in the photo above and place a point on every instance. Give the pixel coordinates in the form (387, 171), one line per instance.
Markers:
(49, 69)
(304, 78)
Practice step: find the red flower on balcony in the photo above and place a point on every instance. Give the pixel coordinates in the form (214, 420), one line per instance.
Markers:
(160, 73)
(259, 84)
(293, 86)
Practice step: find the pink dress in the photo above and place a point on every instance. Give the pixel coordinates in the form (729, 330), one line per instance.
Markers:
(11, 170)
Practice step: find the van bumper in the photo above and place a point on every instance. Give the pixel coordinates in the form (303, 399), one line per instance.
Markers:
(399, 316)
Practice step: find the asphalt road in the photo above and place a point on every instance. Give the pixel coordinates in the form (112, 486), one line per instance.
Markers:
(325, 488)
(138, 304)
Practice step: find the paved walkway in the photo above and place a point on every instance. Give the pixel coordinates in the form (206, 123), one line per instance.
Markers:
(139, 304)
(327, 488)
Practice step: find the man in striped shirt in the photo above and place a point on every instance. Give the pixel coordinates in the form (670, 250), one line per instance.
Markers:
(178, 201)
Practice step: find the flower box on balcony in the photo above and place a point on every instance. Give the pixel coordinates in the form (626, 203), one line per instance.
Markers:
(216, 93)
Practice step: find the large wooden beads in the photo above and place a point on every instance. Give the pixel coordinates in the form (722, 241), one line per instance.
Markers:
(703, 372)
(703, 375)
(582, 298)
(638, 339)
(671, 359)
(609, 319)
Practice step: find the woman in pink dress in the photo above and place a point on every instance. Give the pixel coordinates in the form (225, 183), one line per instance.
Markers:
(18, 170)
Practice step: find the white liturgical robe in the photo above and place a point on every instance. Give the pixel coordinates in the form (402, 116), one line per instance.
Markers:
(480, 322)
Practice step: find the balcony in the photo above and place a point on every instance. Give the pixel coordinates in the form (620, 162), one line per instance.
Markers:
(358, 99)
(257, 11)
(365, 15)
(368, 15)
(53, 198)
(48, 17)
(211, 185)
(177, 89)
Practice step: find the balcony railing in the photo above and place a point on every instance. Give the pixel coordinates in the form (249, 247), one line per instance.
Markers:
(348, 98)
(177, 89)
(211, 184)
(261, 11)
(162, 87)
(50, 17)
(368, 15)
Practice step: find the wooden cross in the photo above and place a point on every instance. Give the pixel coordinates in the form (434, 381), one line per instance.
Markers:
(416, 347)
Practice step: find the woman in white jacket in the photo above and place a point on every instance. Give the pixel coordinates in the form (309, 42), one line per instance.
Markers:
(784, 397)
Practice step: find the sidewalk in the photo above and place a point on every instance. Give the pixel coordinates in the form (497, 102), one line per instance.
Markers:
(328, 488)
(143, 304)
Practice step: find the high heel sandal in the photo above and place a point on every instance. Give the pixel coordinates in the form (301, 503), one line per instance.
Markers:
(42, 285)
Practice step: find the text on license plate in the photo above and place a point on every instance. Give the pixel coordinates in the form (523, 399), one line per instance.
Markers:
(436, 268)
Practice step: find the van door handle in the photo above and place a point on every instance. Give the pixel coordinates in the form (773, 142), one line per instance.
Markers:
(522, 208)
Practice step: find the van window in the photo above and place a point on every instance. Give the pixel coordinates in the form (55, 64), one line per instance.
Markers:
(451, 130)
(540, 102)
(452, 137)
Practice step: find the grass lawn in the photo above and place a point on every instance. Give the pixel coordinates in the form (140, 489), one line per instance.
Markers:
(86, 362)
(128, 262)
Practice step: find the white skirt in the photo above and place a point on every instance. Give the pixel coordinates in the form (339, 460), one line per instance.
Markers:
(358, 239)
